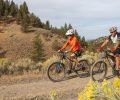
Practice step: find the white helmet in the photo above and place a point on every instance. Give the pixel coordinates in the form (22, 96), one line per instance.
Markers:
(70, 32)
(112, 29)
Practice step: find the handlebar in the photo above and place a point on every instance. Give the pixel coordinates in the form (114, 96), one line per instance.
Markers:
(106, 52)
(62, 54)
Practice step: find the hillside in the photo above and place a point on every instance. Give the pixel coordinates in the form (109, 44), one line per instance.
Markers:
(20, 45)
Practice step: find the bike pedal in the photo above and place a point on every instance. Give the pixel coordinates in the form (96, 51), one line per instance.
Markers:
(116, 73)
(69, 72)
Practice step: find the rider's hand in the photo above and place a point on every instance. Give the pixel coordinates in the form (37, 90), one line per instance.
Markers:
(99, 49)
(112, 49)
(66, 51)
(59, 50)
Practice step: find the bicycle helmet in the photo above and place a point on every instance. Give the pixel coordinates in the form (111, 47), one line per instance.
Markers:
(113, 29)
(70, 32)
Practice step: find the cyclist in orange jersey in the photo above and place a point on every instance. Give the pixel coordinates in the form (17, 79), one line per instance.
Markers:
(72, 41)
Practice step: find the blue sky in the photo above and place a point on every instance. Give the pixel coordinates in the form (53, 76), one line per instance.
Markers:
(91, 18)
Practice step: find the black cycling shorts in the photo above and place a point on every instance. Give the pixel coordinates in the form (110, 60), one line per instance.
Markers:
(77, 53)
(117, 51)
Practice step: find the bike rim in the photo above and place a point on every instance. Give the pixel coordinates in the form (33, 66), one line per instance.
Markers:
(56, 73)
(99, 71)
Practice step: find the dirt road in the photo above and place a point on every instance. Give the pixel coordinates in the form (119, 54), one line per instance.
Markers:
(42, 87)
(38, 90)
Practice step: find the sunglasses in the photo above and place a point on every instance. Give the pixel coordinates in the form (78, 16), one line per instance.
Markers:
(112, 32)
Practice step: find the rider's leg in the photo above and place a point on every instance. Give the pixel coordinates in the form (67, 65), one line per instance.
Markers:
(117, 63)
(70, 63)
(117, 57)
(73, 56)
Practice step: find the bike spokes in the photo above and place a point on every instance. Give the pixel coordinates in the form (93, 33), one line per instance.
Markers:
(56, 71)
(99, 71)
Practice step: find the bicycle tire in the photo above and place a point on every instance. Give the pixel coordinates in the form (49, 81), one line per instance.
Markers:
(58, 68)
(83, 64)
(97, 69)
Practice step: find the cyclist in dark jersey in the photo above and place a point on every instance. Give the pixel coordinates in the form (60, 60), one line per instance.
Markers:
(115, 38)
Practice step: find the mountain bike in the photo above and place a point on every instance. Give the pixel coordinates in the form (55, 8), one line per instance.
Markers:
(100, 67)
(57, 71)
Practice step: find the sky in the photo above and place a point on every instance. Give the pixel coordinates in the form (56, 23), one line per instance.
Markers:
(91, 18)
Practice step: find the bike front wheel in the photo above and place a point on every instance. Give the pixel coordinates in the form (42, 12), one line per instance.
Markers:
(56, 72)
(99, 71)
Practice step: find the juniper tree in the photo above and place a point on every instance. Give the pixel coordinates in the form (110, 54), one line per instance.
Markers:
(13, 9)
(37, 54)
(35, 21)
(2, 7)
(6, 8)
(47, 25)
(24, 23)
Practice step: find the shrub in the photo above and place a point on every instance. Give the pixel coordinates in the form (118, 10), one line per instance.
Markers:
(56, 45)
(101, 91)
(48, 62)
(37, 54)
(19, 67)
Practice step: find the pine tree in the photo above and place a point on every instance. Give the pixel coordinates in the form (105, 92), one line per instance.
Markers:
(25, 21)
(83, 42)
(65, 27)
(47, 25)
(19, 17)
(32, 19)
(70, 26)
(78, 36)
(35, 21)
(6, 8)
(25, 8)
(13, 9)
(37, 54)
(2, 7)
(38, 22)
(6, 13)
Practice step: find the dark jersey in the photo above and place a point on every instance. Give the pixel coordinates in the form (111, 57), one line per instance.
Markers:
(115, 39)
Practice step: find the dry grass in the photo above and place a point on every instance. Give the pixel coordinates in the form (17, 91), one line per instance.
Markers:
(18, 67)
(20, 45)
(26, 65)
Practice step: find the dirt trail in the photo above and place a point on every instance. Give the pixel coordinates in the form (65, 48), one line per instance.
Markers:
(43, 87)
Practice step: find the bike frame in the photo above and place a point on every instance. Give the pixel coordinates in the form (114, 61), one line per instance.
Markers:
(69, 60)
(108, 58)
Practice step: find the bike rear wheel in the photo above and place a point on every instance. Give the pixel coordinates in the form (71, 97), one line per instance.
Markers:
(56, 72)
(99, 71)
(82, 68)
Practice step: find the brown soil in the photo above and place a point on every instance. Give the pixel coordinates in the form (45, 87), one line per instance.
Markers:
(36, 88)
(20, 45)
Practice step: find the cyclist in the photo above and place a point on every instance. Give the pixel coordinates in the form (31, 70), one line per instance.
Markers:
(72, 41)
(115, 38)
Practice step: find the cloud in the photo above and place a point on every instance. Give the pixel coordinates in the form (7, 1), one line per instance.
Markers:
(91, 17)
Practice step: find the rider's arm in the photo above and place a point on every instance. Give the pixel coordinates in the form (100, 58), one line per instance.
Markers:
(117, 44)
(65, 45)
(104, 43)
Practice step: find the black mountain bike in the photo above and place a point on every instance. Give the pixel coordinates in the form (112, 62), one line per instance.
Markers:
(57, 71)
(100, 67)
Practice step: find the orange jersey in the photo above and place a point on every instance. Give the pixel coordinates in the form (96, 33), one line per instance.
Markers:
(73, 42)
